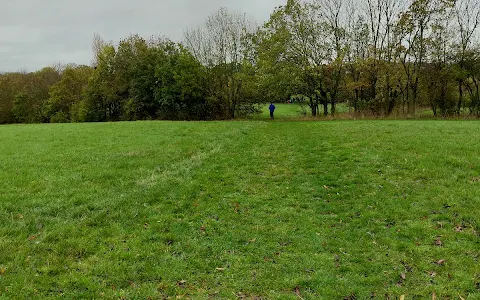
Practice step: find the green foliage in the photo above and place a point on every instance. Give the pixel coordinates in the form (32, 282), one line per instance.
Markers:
(441, 90)
(66, 94)
(59, 117)
(181, 85)
(32, 95)
(102, 101)
(9, 85)
(157, 79)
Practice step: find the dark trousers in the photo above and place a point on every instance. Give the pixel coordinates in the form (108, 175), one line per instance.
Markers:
(271, 115)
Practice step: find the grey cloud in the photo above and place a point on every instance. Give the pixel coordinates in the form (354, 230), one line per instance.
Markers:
(37, 33)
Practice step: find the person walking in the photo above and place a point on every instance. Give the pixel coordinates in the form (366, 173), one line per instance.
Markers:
(272, 110)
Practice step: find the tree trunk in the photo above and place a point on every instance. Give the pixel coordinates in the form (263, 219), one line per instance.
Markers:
(460, 97)
(415, 95)
(313, 106)
(477, 95)
(392, 103)
(355, 104)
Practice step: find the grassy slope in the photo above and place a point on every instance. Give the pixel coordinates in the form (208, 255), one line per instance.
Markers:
(272, 209)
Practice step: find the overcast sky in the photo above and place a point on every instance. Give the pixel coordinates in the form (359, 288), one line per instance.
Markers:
(38, 33)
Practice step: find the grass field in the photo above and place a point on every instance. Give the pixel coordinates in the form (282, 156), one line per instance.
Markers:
(247, 210)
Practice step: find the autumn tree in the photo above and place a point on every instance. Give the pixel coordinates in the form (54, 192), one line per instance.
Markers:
(31, 97)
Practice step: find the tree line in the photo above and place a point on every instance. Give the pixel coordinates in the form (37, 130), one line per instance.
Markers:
(380, 57)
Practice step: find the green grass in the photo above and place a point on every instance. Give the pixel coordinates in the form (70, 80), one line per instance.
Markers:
(254, 209)
(282, 111)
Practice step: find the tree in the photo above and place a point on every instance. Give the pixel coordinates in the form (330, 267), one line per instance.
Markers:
(222, 46)
(180, 89)
(67, 93)
(467, 15)
(292, 53)
(358, 36)
(333, 14)
(10, 84)
(101, 100)
(32, 95)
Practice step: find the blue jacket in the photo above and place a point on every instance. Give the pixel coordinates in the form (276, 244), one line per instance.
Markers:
(272, 107)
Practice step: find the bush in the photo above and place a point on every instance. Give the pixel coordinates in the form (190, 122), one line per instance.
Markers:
(59, 117)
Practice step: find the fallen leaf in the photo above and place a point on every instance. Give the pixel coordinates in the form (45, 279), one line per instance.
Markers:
(461, 298)
(336, 259)
(434, 296)
(407, 267)
(241, 295)
(181, 283)
(237, 206)
(3, 270)
(220, 269)
(32, 237)
(402, 297)
(351, 297)
(441, 262)
(297, 292)
(403, 276)
(432, 274)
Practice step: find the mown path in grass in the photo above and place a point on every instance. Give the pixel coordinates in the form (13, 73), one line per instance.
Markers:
(318, 210)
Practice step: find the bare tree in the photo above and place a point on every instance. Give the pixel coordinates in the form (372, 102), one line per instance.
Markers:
(221, 44)
(467, 14)
(381, 17)
(97, 46)
(334, 15)
(222, 38)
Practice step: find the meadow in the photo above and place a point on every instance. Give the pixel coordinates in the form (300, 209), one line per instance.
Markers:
(253, 209)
